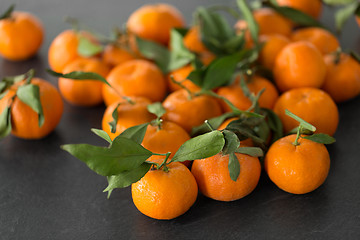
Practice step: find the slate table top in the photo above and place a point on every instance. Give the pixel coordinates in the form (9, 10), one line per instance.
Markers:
(47, 194)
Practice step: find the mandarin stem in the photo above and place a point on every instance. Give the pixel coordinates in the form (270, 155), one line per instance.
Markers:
(296, 143)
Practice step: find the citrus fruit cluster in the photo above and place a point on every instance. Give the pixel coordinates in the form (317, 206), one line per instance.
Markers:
(217, 99)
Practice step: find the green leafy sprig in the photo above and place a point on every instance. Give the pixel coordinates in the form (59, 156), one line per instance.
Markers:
(165, 59)
(307, 131)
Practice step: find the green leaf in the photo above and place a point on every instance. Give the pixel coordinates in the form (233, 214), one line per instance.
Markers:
(157, 109)
(155, 52)
(234, 167)
(177, 44)
(338, 2)
(30, 95)
(8, 12)
(200, 147)
(122, 155)
(343, 14)
(214, 30)
(320, 138)
(232, 142)
(135, 133)
(249, 18)
(275, 124)
(302, 131)
(251, 151)
(245, 132)
(295, 15)
(127, 178)
(262, 130)
(235, 43)
(87, 48)
(302, 122)
(80, 75)
(221, 70)
(115, 116)
(5, 122)
(214, 122)
(197, 76)
(102, 134)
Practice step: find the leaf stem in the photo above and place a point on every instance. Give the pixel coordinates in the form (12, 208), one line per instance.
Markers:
(296, 142)
(209, 125)
(163, 164)
(190, 94)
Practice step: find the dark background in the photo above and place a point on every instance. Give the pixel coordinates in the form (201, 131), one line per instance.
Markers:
(47, 194)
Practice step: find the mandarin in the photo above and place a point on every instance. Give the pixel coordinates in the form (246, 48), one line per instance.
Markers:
(135, 78)
(297, 169)
(165, 195)
(311, 104)
(167, 137)
(21, 36)
(213, 178)
(24, 120)
(83, 92)
(189, 112)
(155, 21)
(299, 64)
(342, 79)
(64, 48)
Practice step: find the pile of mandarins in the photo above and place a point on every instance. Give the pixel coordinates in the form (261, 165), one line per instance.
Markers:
(210, 97)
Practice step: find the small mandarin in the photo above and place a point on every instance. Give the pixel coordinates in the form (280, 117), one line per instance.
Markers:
(64, 48)
(297, 169)
(165, 195)
(299, 64)
(190, 112)
(25, 121)
(167, 137)
(21, 36)
(154, 22)
(311, 104)
(342, 81)
(135, 78)
(84, 92)
(213, 178)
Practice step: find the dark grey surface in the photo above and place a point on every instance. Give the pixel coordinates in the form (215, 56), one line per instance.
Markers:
(47, 194)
